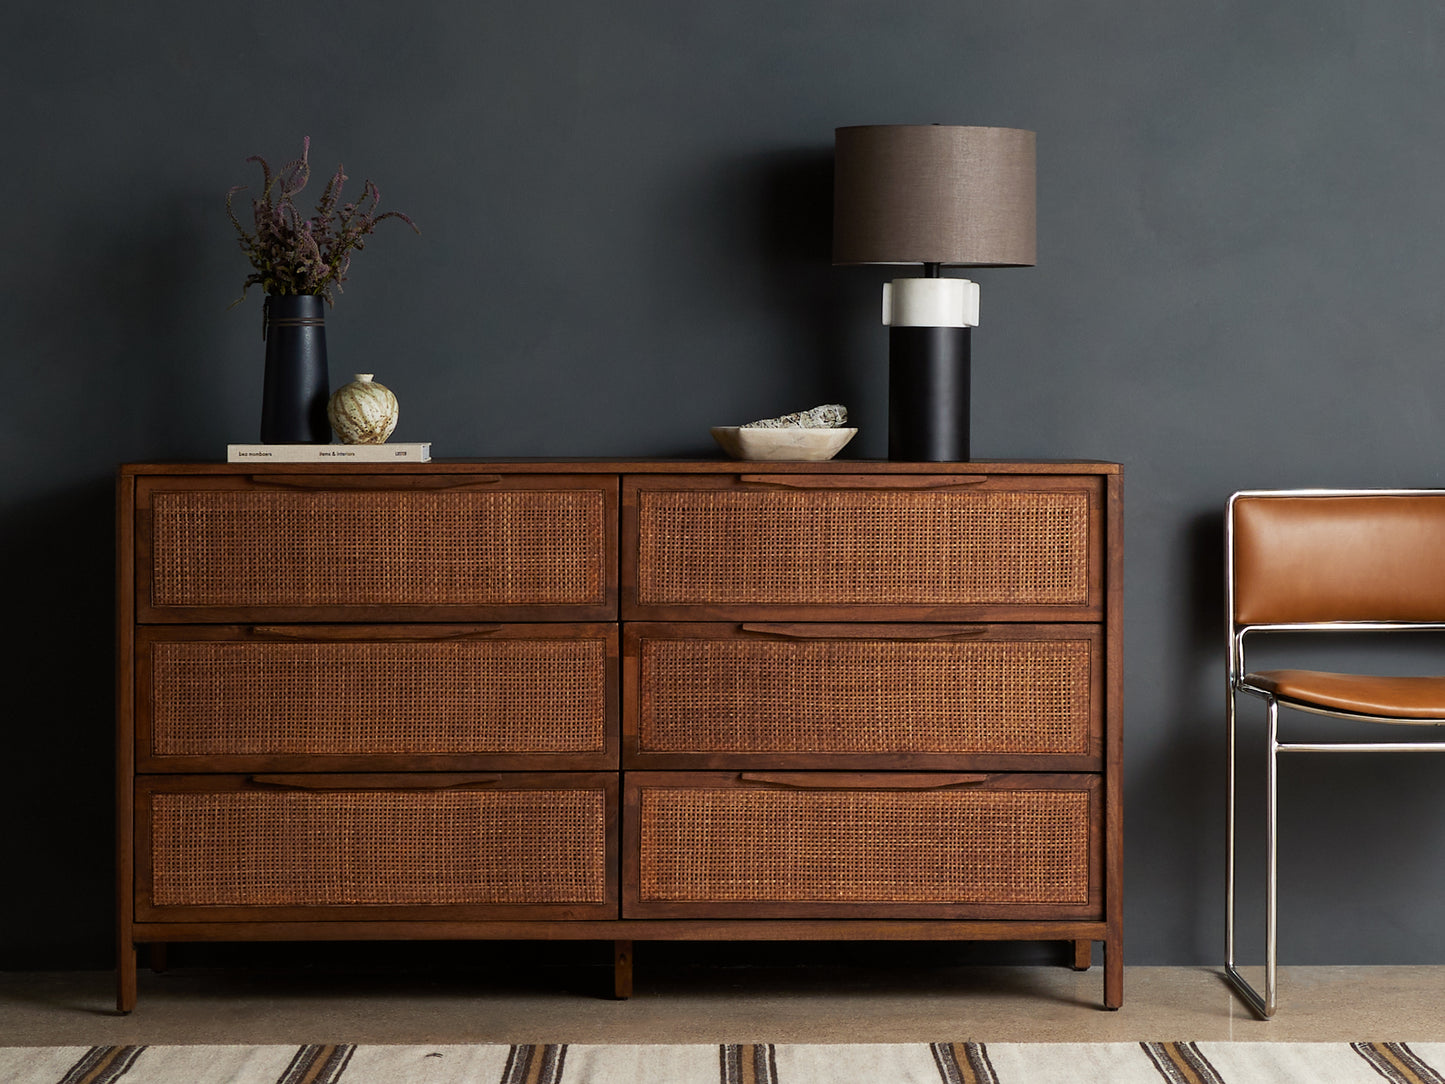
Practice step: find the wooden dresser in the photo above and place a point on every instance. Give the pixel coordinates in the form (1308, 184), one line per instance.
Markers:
(621, 701)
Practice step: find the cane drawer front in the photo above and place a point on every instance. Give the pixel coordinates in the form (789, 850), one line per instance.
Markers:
(868, 547)
(348, 547)
(349, 697)
(919, 845)
(297, 847)
(776, 695)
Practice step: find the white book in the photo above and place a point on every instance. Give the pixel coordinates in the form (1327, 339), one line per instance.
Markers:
(329, 453)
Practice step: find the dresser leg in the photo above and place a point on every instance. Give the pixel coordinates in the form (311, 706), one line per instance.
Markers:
(1113, 972)
(157, 956)
(1083, 955)
(125, 978)
(622, 969)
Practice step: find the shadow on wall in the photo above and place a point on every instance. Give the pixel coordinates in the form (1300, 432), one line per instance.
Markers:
(120, 344)
(116, 337)
(60, 725)
(1174, 760)
(183, 331)
(823, 303)
(766, 221)
(1199, 768)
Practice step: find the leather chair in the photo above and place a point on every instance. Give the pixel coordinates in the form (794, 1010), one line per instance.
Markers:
(1304, 561)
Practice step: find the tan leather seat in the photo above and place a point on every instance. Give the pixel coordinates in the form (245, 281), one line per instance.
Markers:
(1390, 699)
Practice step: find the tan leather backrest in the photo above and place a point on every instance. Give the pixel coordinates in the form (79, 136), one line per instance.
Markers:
(1339, 558)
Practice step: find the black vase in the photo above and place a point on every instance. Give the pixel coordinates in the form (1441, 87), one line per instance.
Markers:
(293, 401)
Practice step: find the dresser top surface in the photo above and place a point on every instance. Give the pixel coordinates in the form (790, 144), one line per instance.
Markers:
(631, 466)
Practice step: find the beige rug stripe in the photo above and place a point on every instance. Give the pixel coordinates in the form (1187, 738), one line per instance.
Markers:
(1247, 1062)
(1056, 1063)
(210, 1064)
(38, 1065)
(442, 1064)
(863, 1063)
(164, 1064)
(681, 1064)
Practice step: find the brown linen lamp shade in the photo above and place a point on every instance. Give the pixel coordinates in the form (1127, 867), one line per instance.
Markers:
(933, 194)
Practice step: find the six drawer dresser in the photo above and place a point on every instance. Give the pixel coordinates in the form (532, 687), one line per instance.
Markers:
(620, 701)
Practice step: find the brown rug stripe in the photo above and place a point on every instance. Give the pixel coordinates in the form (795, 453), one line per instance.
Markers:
(538, 1064)
(1182, 1063)
(102, 1064)
(963, 1063)
(747, 1063)
(317, 1064)
(1397, 1063)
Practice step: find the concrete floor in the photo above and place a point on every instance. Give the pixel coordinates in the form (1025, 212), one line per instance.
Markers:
(807, 1004)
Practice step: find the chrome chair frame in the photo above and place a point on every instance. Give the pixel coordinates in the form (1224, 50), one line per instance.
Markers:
(1265, 1004)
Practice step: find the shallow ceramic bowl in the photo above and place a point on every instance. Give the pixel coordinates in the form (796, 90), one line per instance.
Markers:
(810, 445)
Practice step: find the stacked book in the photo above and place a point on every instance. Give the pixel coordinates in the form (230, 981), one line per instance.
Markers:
(329, 453)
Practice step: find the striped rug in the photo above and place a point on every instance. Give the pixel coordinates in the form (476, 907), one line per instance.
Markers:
(901, 1063)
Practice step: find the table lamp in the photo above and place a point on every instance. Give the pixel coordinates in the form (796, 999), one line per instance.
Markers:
(940, 196)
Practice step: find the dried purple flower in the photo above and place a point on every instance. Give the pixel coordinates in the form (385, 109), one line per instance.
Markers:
(293, 254)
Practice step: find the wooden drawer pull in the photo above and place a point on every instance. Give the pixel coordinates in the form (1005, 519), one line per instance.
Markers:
(375, 782)
(801, 631)
(861, 781)
(375, 482)
(313, 633)
(828, 481)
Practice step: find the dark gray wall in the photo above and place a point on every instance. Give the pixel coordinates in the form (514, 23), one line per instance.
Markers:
(625, 232)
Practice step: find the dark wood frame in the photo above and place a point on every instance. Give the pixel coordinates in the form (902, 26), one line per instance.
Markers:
(1107, 578)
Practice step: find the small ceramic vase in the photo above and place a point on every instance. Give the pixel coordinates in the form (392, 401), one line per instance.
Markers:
(363, 412)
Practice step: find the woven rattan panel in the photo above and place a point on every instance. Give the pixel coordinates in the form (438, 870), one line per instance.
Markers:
(883, 547)
(970, 846)
(282, 548)
(864, 696)
(296, 848)
(521, 696)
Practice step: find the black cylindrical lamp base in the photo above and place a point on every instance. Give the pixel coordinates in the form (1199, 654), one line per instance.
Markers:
(928, 378)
